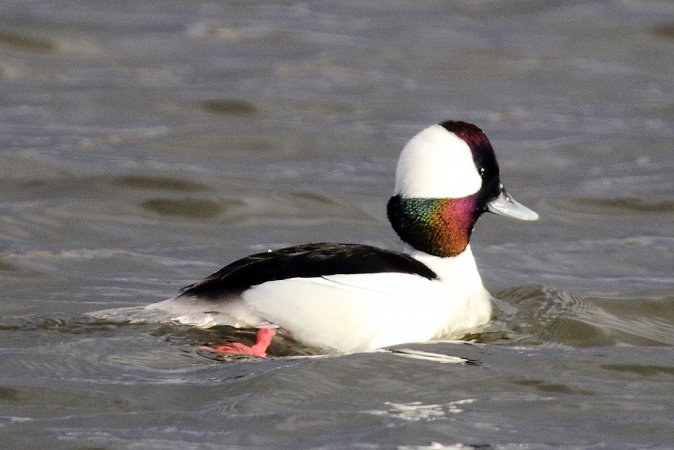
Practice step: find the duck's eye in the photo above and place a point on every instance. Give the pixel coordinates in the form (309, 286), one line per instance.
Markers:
(482, 171)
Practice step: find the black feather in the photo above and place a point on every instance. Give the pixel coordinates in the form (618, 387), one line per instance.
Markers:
(307, 260)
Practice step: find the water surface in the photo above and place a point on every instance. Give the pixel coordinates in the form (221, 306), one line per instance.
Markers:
(145, 144)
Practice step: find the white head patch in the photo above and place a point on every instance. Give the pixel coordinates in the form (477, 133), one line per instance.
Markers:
(436, 164)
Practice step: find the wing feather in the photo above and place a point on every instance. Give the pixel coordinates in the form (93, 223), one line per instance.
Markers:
(304, 261)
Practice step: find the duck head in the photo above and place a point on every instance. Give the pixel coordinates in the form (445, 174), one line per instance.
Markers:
(447, 177)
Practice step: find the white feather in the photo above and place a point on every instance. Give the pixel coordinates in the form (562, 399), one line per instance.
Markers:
(436, 164)
(204, 313)
(363, 312)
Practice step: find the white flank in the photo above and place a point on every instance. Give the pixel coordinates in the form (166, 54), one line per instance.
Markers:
(204, 313)
(436, 164)
(363, 312)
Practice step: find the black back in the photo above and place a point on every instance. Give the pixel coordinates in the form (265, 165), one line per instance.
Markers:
(307, 260)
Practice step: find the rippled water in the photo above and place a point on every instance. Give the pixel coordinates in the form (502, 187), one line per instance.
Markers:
(145, 144)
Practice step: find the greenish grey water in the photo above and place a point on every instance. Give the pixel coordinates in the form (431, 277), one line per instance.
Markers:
(145, 144)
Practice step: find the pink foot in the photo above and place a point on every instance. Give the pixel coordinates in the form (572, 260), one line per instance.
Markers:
(264, 337)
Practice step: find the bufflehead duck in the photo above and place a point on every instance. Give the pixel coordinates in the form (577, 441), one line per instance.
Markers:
(351, 298)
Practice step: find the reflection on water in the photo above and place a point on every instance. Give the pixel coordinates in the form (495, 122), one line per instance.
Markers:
(538, 315)
(229, 107)
(617, 205)
(16, 41)
(158, 183)
(196, 208)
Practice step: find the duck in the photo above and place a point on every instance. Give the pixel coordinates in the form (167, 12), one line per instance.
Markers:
(348, 298)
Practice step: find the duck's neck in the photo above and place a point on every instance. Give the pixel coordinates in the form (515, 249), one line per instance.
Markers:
(435, 226)
(459, 271)
(437, 233)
